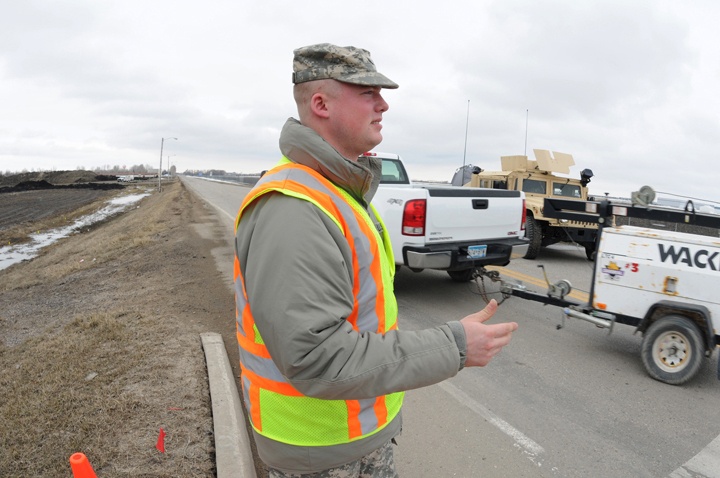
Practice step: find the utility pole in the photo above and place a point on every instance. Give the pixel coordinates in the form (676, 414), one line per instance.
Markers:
(162, 142)
(467, 122)
(527, 114)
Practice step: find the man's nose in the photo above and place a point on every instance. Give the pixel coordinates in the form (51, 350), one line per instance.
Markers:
(382, 104)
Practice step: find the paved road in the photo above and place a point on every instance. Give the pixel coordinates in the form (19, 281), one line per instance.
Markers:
(574, 402)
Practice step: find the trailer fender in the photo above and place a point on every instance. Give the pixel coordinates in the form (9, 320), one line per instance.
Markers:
(697, 313)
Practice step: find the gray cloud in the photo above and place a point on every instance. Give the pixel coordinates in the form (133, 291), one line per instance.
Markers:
(628, 88)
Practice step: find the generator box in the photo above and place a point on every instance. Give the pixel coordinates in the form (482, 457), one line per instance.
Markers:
(638, 267)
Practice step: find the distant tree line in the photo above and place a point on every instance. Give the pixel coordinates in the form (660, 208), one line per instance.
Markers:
(104, 169)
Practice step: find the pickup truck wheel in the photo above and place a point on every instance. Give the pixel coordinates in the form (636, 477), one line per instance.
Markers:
(533, 231)
(464, 275)
(672, 349)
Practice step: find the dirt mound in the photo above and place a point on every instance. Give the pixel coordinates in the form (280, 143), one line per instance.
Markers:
(55, 178)
(32, 185)
(42, 185)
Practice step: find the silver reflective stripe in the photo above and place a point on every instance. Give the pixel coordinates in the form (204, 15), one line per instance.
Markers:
(246, 395)
(264, 367)
(368, 419)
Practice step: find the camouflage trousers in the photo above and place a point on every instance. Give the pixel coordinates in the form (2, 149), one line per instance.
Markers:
(378, 464)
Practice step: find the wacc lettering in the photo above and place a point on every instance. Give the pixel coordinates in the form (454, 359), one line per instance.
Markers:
(702, 258)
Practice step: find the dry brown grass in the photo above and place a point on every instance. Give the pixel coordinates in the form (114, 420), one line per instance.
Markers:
(73, 387)
(99, 347)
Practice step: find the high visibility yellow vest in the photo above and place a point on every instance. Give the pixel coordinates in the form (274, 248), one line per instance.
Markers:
(277, 410)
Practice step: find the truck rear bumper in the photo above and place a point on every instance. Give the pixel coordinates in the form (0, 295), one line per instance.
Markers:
(454, 256)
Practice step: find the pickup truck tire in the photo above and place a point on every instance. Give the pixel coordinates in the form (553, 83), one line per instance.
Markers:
(464, 275)
(672, 349)
(533, 231)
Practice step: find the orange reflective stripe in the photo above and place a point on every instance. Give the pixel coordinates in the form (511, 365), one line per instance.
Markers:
(267, 384)
(247, 319)
(354, 425)
(248, 322)
(249, 344)
(236, 268)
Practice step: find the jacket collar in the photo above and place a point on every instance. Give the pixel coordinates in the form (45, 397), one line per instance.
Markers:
(304, 146)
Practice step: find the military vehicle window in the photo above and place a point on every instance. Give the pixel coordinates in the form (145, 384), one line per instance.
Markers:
(499, 184)
(566, 190)
(534, 186)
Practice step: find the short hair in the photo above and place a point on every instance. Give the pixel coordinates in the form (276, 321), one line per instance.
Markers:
(303, 92)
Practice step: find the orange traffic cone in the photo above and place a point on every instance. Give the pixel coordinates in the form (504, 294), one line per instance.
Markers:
(81, 466)
(160, 445)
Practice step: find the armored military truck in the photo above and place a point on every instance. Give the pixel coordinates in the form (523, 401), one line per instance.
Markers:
(539, 179)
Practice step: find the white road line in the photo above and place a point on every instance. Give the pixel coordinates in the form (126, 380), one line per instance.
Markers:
(705, 464)
(523, 441)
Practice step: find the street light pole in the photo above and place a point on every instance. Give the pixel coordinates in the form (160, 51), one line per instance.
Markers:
(162, 142)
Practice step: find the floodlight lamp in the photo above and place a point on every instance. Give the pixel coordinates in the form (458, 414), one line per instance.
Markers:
(585, 176)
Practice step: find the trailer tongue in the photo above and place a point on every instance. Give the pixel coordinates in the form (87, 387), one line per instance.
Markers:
(664, 283)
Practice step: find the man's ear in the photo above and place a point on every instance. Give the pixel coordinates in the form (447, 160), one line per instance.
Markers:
(319, 105)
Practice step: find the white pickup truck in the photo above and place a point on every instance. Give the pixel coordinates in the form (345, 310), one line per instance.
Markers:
(448, 228)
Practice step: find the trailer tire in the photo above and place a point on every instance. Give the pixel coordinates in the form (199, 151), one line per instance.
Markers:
(672, 349)
(464, 275)
(533, 231)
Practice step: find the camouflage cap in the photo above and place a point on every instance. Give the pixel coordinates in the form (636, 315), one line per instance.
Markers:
(343, 63)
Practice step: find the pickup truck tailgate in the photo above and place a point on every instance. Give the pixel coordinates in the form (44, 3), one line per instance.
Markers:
(456, 214)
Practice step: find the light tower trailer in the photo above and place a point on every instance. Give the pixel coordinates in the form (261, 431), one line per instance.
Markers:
(664, 283)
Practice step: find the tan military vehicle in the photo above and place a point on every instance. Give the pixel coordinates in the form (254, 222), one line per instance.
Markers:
(539, 179)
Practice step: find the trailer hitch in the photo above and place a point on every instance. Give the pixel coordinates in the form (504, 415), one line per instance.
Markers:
(556, 296)
(479, 276)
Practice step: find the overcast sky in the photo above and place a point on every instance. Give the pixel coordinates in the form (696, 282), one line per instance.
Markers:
(629, 88)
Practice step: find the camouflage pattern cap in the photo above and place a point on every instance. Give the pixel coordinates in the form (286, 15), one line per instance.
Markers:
(343, 63)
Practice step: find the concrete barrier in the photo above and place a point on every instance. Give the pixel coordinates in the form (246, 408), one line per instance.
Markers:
(232, 445)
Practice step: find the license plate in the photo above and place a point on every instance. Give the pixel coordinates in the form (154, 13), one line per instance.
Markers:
(477, 252)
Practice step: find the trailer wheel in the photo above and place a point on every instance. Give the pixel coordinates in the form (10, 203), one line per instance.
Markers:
(672, 349)
(464, 275)
(533, 231)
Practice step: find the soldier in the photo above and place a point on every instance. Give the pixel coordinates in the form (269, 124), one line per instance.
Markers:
(323, 363)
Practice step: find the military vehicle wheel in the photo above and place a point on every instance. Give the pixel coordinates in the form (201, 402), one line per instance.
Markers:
(672, 349)
(533, 231)
(464, 275)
